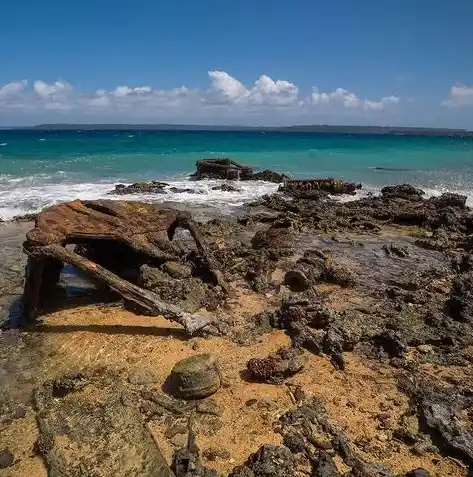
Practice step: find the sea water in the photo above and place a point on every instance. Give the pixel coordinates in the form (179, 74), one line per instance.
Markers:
(40, 168)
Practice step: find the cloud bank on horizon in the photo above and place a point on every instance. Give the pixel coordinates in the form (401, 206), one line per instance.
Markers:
(226, 100)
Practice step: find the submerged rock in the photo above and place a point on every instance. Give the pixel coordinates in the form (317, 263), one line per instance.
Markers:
(195, 377)
(153, 187)
(107, 436)
(460, 304)
(402, 191)
(449, 200)
(222, 168)
(226, 188)
(269, 176)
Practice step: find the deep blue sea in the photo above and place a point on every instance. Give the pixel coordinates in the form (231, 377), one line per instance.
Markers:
(39, 168)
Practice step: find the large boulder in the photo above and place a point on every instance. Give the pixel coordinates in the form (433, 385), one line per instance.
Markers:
(449, 200)
(222, 168)
(269, 176)
(402, 191)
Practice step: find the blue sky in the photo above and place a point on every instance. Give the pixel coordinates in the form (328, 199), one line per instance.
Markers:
(247, 62)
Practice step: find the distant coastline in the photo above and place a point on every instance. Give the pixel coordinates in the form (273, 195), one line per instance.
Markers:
(320, 129)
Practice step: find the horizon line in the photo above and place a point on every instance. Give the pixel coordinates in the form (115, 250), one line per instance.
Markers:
(235, 126)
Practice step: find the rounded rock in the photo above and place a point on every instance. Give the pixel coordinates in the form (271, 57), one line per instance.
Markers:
(196, 377)
(6, 459)
(296, 279)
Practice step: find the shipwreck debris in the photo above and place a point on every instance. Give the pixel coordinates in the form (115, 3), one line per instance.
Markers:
(106, 232)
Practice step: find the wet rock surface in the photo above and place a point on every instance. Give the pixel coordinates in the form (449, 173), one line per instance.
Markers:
(153, 187)
(97, 419)
(269, 176)
(303, 188)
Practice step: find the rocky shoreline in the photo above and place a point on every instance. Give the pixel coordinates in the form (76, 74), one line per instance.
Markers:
(372, 296)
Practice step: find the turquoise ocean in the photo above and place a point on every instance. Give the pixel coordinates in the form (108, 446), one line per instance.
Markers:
(40, 168)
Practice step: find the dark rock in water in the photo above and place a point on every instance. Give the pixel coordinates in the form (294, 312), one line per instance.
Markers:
(25, 218)
(195, 377)
(337, 273)
(296, 280)
(329, 186)
(226, 188)
(396, 249)
(6, 459)
(460, 305)
(108, 436)
(222, 168)
(449, 200)
(269, 176)
(278, 239)
(276, 367)
(402, 191)
(392, 169)
(153, 187)
(440, 240)
(178, 190)
(269, 461)
(220, 228)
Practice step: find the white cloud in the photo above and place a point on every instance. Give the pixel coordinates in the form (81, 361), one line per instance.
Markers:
(12, 89)
(460, 95)
(122, 91)
(47, 91)
(226, 98)
(343, 98)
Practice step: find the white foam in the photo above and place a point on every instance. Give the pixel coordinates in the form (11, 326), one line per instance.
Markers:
(30, 194)
(370, 189)
(25, 195)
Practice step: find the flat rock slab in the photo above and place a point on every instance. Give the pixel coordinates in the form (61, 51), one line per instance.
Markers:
(86, 429)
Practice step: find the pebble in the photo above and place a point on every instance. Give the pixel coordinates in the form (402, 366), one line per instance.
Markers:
(6, 459)
(382, 437)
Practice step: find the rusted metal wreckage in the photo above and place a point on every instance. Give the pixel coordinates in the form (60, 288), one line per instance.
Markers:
(111, 230)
